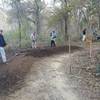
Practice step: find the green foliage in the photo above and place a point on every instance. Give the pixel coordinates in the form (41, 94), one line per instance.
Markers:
(28, 14)
(12, 37)
(59, 14)
(60, 39)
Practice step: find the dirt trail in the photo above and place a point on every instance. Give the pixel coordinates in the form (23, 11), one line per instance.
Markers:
(46, 81)
(37, 75)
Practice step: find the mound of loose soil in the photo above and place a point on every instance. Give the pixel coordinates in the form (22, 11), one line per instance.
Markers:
(44, 52)
(12, 75)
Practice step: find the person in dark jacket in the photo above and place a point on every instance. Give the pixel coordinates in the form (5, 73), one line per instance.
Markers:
(2, 45)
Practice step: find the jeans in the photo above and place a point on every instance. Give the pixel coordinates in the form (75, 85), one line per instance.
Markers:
(3, 54)
(53, 44)
(33, 43)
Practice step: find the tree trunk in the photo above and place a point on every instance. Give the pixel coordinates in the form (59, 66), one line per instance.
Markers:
(66, 23)
(19, 21)
(37, 23)
(19, 34)
(66, 28)
(99, 21)
(37, 18)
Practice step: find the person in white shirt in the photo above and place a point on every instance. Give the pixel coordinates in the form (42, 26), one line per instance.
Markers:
(53, 36)
(84, 35)
(33, 38)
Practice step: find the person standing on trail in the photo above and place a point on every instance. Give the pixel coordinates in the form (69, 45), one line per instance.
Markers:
(84, 35)
(33, 38)
(2, 45)
(53, 36)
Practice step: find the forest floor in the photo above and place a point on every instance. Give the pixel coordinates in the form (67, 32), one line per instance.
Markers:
(51, 74)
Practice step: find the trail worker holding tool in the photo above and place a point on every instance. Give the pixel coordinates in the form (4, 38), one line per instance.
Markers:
(2, 45)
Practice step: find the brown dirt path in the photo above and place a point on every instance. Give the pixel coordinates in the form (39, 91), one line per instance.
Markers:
(41, 78)
(46, 81)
